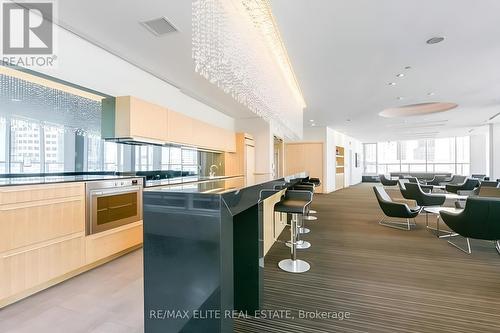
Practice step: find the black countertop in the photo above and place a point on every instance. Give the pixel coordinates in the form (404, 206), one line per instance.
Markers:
(203, 251)
(184, 180)
(12, 181)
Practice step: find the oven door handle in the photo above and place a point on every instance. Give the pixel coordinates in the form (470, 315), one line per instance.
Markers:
(115, 190)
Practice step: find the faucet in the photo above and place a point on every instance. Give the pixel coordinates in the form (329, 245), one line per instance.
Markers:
(213, 170)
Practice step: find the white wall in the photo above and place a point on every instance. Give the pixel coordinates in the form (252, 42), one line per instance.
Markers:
(84, 64)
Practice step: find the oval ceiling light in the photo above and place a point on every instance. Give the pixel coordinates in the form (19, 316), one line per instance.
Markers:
(435, 40)
(417, 109)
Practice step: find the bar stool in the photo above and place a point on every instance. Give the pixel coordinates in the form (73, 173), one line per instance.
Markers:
(307, 217)
(316, 182)
(295, 203)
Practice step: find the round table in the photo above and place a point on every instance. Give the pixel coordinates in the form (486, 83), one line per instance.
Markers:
(436, 210)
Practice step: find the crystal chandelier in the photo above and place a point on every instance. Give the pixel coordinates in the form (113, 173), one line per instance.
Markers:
(237, 46)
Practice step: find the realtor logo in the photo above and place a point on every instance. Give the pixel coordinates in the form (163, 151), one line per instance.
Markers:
(27, 28)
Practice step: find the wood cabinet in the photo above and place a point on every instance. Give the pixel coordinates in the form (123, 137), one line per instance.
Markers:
(180, 128)
(108, 243)
(27, 268)
(135, 118)
(305, 156)
(43, 242)
(38, 213)
(42, 231)
(140, 119)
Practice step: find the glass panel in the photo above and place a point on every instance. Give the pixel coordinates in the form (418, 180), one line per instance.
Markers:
(25, 146)
(144, 158)
(110, 156)
(387, 157)
(165, 158)
(441, 150)
(94, 151)
(54, 148)
(116, 207)
(413, 151)
(3, 146)
(463, 150)
(175, 155)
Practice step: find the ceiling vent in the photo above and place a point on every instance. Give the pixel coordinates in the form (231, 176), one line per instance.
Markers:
(160, 26)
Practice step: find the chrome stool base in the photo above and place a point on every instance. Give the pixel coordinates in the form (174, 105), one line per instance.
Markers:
(300, 245)
(310, 218)
(312, 211)
(303, 230)
(294, 266)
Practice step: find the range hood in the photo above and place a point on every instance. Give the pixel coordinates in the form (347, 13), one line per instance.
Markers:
(124, 120)
(136, 141)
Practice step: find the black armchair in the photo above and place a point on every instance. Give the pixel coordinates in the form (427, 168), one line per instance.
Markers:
(438, 179)
(479, 220)
(394, 209)
(415, 192)
(456, 179)
(387, 182)
(468, 185)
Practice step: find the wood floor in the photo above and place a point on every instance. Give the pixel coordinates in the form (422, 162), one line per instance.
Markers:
(389, 280)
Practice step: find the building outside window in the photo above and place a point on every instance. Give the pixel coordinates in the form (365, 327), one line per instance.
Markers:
(451, 155)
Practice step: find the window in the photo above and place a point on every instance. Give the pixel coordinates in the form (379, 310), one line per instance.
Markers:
(3, 147)
(94, 151)
(54, 149)
(370, 156)
(24, 157)
(450, 155)
(110, 156)
(143, 158)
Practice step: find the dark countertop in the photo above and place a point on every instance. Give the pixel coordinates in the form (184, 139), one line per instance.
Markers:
(184, 180)
(203, 250)
(56, 179)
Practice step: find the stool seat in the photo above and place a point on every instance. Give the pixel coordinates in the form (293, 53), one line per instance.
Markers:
(292, 206)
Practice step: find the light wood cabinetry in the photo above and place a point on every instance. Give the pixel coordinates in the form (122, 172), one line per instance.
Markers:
(107, 243)
(137, 118)
(273, 222)
(42, 231)
(180, 128)
(33, 214)
(305, 156)
(339, 167)
(29, 267)
(43, 242)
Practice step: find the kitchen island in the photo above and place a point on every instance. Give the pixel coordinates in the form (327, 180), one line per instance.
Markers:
(203, 253)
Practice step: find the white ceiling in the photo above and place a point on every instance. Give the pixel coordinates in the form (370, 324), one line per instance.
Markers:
(344, 54)
(115, 26)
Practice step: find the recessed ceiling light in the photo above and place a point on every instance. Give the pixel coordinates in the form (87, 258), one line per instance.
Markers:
(311, 120)
(407, 67)
(348, 120)
(400, 75)
(435, 40)
(313, 125)
(392, 83)
(431, 93)
(400, 97)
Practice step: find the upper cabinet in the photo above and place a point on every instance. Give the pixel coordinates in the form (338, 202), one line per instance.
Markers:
(138, 118)
(129, 117)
